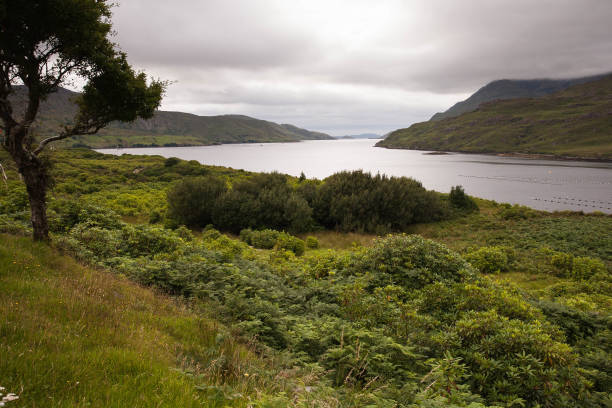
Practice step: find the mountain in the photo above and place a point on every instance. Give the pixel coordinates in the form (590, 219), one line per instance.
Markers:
(360, 136)
(164, 128)
(576, 122)
(511, 89)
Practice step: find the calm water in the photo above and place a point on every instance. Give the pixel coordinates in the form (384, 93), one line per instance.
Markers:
(541, 184)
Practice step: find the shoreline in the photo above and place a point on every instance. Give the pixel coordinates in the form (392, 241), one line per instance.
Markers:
(529, 156)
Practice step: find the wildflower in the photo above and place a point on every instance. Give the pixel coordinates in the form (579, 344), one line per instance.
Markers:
(7, 398)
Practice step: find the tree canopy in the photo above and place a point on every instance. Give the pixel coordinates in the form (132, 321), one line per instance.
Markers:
(45, 44)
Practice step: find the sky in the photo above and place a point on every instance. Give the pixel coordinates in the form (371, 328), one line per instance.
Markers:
(354, 66)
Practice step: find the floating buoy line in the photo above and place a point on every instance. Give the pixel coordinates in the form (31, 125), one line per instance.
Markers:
(577, 202)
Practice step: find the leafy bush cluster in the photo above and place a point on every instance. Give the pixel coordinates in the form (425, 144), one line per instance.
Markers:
(262, 201)
(348, 201)
(358, 201)
(404, 323)
(578, 268)
(493, 259)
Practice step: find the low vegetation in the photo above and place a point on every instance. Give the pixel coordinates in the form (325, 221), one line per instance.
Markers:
(479, 309)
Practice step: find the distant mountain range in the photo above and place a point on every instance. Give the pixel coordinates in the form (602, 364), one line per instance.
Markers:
(573, 123)
(512, 89)
(164, 129)
(360, 136)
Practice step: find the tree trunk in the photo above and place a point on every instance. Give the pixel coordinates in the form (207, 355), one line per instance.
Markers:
(35, 176)
(35, 179)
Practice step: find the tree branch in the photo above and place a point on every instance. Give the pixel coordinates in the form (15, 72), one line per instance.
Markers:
(82, 129)
(6, 110)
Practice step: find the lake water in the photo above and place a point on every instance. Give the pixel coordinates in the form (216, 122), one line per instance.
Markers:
(542, 184)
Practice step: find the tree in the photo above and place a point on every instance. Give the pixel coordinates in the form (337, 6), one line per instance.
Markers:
(45, 44)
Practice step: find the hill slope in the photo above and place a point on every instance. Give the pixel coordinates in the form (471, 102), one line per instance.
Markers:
(165, 128)
(73, 336)
(576, 122)
(511, 89)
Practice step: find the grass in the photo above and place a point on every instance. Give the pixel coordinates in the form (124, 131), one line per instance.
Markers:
(72, 336)
(527, 281)
(340, 240)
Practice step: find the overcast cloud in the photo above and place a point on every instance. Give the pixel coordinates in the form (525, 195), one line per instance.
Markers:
(355, 66)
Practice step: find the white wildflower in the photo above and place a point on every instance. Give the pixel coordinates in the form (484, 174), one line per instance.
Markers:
(7, 398)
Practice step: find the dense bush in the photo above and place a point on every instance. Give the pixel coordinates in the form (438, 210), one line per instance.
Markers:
(349, 201)
(262, 201)
(578, 268)
(411, 261)
(358, 201)
(494, 259)
(312, 242)
(459, 199)
(191, 201)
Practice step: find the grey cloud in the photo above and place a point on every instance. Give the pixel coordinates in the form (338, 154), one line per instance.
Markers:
(356, 63)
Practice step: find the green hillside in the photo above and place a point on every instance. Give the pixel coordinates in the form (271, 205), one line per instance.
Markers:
(72, 336)
(576, 122)
(511, 89)
(508, 307)
(165, 128)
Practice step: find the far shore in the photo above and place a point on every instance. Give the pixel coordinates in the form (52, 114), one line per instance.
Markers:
(533, 156)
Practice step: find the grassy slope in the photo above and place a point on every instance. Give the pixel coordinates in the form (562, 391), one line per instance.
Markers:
(71, 336)
(576, 122)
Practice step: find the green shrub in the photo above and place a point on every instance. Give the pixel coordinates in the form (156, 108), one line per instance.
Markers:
(358, 201)
(312, 242)
(155, 217)
(264, 201)
(585, 267)
(517, 212)
(264, 239)
(65, 214)
(361, 356)
(494, 259)
(412, 262)
(100, 242)
(171, 161)
(577, 268)
(13, 197)
(563, 262)
(191, 201)
(459, 199)
(184, 233)
(245, 235)
(291, 243)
